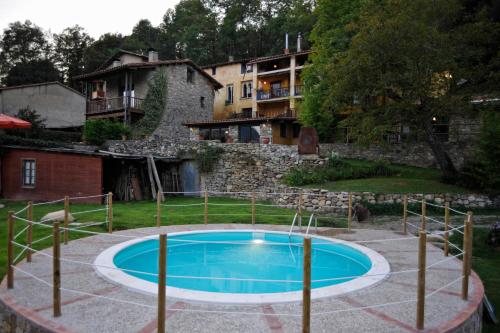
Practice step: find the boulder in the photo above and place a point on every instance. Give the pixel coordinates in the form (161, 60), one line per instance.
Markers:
(56, 216)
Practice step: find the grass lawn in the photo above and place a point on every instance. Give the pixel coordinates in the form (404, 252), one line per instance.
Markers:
(407, 179)
(129, 215)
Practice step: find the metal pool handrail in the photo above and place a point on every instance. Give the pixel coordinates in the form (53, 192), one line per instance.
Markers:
(309, 224)
(293, 224)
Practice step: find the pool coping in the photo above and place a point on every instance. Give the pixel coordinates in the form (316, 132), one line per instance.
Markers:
(106, 269)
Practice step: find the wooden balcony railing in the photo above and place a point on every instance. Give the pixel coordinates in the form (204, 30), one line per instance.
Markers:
(277, 113)
(113, 104)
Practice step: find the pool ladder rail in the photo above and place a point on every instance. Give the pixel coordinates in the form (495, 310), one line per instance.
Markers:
(299, 218)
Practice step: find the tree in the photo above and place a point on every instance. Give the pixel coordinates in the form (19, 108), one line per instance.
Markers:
(193, 26)
(398, 68)
(22, 43)
(34, 71)
(331, 37)
(70, 46)
(100, 50)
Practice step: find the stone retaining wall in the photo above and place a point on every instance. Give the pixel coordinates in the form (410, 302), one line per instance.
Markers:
(261, 168)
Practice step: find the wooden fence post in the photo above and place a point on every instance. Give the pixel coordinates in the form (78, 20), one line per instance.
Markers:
(158, 209)
(306, 287)
(110, 212)
(471, 240)
(206, 207)
(66, 219)
(423, 223)
(465, 260)
(405, 214)
(29, 231)
(10, 250)
(253, 207)
(162, 280)
(421, 280)
(56, 270)
(446, 228)
(299, 216)
(349, 213)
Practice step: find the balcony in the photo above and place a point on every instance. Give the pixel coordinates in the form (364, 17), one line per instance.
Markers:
(263, 95)
(112, 107)
(290, 113)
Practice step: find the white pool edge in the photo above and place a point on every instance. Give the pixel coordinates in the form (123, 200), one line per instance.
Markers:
(378, 272)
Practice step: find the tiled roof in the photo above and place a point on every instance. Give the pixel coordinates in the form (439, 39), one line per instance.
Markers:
(152, 64)
(279, 56)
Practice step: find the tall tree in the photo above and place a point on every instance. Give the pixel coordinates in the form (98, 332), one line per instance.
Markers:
(70, 46)
(399, 69)
(34, 71)
(22, 43)
(100, 50)
(194, 28)
(336, 22)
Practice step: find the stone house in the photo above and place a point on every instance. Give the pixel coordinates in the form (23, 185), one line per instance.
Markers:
(118, 88)
(60, 106)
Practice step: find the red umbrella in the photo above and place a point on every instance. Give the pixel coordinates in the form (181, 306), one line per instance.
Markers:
(12, 122)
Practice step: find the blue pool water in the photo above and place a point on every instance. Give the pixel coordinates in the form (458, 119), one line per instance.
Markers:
(256, 255)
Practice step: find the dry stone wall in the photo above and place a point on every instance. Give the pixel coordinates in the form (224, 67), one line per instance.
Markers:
(261, 168)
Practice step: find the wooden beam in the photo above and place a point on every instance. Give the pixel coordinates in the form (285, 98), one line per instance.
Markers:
(157, 177)
(151, 179)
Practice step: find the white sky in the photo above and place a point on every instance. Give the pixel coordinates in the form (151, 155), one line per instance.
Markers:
(96, 16)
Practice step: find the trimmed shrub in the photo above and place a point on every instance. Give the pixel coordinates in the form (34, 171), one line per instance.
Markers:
(97, 131)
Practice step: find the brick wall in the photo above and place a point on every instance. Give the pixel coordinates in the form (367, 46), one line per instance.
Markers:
(57, 174)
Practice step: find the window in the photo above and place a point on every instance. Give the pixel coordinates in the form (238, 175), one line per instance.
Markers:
(283, 130)
(214, 70)
(246, 68)
(246, 89)
(202, 102)
(441, 128)
(29, 173)
(190, 75)
(249, 134)
(296, 130)
(229, 94)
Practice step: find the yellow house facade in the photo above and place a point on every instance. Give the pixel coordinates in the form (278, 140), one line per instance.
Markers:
(259, 100)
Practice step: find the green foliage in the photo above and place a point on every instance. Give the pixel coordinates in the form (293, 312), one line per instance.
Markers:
(34, 71)
(153, 105)
(337, 169)
(483, 172)
(207, 157)
(69, 49)
(98, 131)
(15, 140)
(22, 43)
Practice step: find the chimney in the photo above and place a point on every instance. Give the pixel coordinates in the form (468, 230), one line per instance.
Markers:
(286, 44)
(299, 41)
(230, 58)
(152, 55)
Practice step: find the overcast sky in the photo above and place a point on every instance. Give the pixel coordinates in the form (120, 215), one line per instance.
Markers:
(96, 16)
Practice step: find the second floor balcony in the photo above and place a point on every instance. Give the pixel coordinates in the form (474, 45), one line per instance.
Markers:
(277, 93)
(113, 106)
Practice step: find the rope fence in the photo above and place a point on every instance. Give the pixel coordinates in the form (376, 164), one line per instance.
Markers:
(61, 234)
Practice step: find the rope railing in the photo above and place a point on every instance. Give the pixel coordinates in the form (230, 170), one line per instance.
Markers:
(421, 270)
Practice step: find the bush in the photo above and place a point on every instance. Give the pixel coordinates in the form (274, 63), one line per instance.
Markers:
(98, 131)
(207, 157)
(337, 169)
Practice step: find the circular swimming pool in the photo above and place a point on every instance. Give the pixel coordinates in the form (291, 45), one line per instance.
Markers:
(246, 266)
